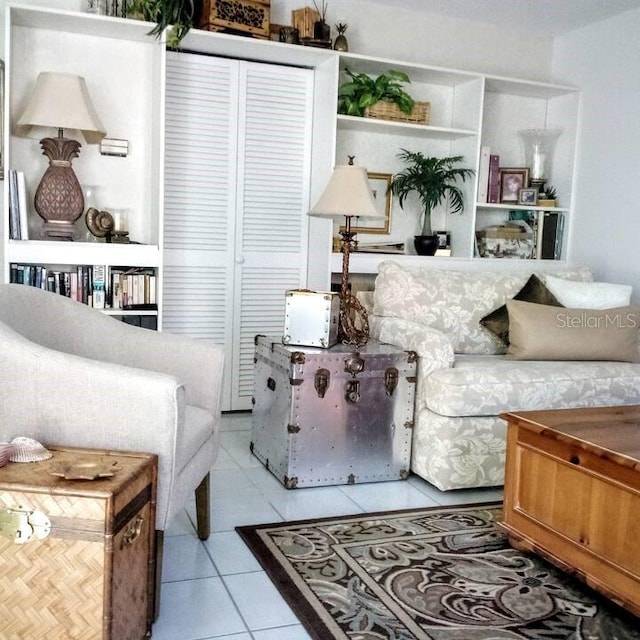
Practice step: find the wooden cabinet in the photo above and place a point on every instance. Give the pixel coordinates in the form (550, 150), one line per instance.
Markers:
(572, 489)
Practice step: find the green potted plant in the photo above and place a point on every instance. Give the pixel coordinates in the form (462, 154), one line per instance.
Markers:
(363, 91)
(433, 180)
(175, 13)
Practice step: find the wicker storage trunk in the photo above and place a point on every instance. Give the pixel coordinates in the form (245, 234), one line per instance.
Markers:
(91, 577)
(333, 416)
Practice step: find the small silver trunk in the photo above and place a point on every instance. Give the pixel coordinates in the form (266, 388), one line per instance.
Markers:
(333, 416)
(311, 318)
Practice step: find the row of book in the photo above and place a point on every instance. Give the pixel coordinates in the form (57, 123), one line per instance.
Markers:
(98, 286)
(18, 208)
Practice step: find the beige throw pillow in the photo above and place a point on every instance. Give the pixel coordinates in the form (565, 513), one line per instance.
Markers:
(541, 332)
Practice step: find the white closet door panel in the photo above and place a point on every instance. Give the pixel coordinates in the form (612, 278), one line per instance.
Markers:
(199, 220)
(193, 298)
(261, 311)
(274, 137)
(275, 142)
(200, 152)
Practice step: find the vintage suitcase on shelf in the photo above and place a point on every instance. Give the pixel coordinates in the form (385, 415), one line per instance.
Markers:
(77, 556)
(333, 416)
(311, 318)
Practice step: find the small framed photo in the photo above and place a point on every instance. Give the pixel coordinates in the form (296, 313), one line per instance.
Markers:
(511, 181)
(528, 196)
(380, 184)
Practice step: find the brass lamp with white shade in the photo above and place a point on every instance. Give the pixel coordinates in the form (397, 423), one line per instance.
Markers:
(60, 101)
(348, 195)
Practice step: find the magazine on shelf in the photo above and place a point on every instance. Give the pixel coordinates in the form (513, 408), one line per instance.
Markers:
(380, 247)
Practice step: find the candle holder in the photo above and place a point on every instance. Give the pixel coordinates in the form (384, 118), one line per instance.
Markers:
(539, 146)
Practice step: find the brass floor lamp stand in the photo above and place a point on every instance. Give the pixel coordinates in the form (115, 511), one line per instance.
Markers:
(354, 321)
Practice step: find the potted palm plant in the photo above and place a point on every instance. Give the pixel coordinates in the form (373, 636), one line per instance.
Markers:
(433, 180)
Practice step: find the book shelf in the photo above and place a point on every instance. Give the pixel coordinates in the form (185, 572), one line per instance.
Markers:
(123, 68)
(469, 111)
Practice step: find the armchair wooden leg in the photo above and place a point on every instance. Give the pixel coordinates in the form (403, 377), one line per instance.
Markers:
(202, 508)
(157, 579)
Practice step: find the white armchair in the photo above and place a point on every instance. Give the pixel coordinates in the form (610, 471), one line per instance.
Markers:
(74, 376)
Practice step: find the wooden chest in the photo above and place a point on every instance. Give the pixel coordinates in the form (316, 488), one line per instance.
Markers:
(249, 17)
(572, 494)
(91, 576)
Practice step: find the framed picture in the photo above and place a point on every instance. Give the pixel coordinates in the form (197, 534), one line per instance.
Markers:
(379, 184)
(528, 196)
(511, 181)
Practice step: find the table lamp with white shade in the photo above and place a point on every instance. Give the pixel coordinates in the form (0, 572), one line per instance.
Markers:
(60, 101)
(348, 195)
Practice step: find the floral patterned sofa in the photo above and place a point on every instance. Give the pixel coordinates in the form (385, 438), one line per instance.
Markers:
(464, 377)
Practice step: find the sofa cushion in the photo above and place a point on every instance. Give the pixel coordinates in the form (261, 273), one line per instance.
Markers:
(541, 332)
(452, 301)
(533, 291)
(488, 386)
(589, 295)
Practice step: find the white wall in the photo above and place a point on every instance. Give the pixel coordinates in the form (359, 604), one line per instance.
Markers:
(378, 28)
(604, 60)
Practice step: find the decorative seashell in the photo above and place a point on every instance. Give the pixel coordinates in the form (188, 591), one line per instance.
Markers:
(28, 450)
(6, 449)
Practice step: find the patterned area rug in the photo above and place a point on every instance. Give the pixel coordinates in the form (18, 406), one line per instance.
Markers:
(429, 574)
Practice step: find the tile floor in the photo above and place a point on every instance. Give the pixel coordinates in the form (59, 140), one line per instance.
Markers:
(216, 589)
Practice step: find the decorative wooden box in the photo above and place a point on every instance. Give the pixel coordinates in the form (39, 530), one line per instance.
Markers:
(242, 16)
(81, 565)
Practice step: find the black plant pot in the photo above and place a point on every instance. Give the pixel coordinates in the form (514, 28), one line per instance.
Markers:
(321, 30)
(425, 245)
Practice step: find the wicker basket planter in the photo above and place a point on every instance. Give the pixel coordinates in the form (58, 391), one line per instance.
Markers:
(385, 110)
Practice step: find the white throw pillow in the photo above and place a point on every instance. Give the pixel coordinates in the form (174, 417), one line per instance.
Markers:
(589, 295)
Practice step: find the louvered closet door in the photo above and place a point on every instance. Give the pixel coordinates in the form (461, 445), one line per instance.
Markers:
(238, 138)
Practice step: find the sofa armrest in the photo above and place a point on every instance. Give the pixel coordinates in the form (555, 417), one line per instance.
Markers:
(432, 346)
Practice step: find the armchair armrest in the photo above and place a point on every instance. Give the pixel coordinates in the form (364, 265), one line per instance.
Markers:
(64, 325)
(61, 398)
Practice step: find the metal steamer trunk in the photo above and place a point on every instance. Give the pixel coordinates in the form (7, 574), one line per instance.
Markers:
(333, 416)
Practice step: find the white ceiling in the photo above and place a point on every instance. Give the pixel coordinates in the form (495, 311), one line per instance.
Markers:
(552, 17)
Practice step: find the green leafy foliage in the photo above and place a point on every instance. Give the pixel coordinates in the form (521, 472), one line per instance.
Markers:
(177, 14)
(433, 180)
(362, 91)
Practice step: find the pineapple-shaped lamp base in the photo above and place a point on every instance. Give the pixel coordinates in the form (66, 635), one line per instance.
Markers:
(59, 200)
